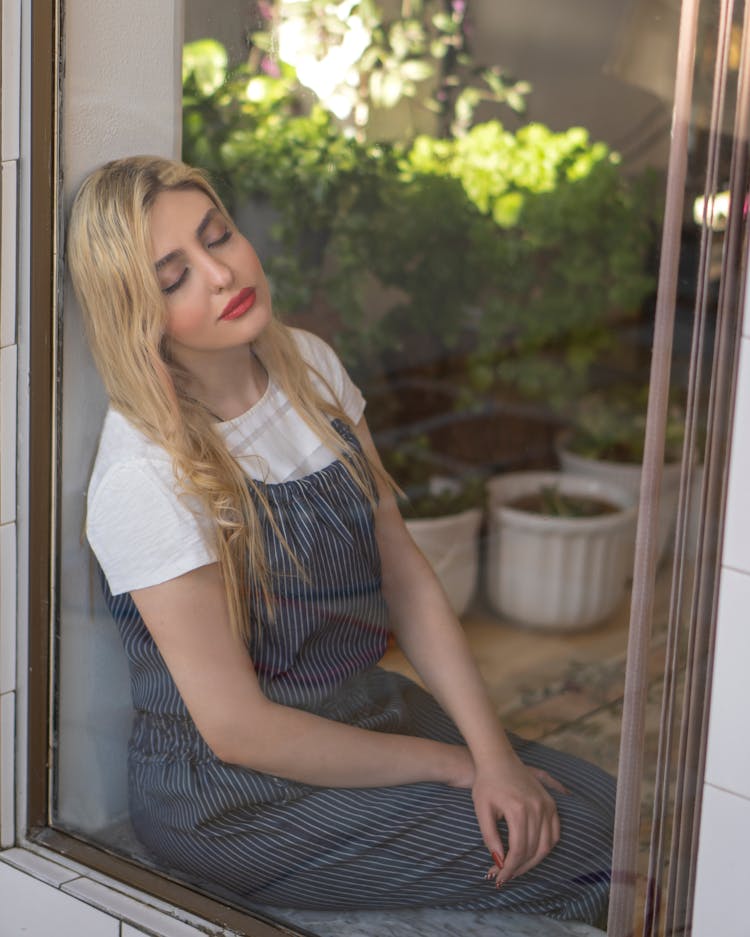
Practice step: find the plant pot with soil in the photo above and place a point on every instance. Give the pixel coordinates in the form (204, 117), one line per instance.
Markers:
(559, 549)
(443, 512)
(606, 443)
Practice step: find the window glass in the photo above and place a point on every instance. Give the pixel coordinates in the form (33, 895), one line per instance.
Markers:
(465, 200)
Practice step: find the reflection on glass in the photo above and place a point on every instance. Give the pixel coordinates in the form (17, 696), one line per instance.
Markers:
(468, 210)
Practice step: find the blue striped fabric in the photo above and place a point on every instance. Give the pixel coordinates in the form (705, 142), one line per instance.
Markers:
(268, 841)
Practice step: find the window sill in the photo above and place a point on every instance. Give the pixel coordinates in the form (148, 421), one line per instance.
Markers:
(42, 889)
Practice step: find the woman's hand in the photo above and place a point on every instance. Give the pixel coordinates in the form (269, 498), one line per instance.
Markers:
(516, 793)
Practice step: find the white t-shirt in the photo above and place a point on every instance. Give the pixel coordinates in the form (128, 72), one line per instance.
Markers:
(142, 532)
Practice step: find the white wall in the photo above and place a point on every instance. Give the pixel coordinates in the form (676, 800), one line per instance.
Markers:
(723, 857)
(121, 96)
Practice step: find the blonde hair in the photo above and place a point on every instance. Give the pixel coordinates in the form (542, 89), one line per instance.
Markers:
(110, 260)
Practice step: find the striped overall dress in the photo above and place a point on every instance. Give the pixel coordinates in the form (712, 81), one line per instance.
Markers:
(267, 841)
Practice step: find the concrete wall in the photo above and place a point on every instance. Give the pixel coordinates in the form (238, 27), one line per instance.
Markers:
(121, 96)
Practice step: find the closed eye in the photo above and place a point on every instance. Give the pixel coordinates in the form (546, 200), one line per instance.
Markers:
(177, 283)
(221, 240)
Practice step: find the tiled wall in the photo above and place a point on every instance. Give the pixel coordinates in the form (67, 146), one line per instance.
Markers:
(9, 119)
(723, 855)
(45, 898)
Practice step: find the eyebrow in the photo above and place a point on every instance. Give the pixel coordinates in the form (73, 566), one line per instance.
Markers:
(173, 255)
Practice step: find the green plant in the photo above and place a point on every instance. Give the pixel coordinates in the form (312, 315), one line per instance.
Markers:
(430, 490)
(550, 501)
(359, 55)
(501, 261)
(610, 424)
(566, 257)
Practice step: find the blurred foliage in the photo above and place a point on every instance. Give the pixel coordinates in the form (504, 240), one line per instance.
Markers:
(418, 50)
(611, 425)
(498, 260)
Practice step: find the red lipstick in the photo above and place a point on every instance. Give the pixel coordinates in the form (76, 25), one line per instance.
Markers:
(238, 305)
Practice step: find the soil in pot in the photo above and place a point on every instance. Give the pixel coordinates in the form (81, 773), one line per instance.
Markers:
(555, 503)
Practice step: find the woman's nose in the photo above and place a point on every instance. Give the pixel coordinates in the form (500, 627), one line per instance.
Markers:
(219, 274)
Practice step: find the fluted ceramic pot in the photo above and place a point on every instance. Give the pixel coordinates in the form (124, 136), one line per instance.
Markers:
(557, 573)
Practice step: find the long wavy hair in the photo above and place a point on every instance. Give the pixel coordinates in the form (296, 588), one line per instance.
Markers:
(110, 261)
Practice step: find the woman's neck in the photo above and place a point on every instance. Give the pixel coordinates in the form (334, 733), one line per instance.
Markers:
(228, 384)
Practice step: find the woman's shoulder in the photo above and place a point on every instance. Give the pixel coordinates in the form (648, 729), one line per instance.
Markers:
(140, 528)
(124, 448)
(315, 350)
(326, 364)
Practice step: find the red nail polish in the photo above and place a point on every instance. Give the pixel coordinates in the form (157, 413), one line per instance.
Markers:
(498, 860)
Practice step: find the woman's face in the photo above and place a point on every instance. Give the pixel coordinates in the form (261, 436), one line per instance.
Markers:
(216, 293)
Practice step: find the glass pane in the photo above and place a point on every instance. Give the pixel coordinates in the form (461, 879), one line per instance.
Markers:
(465, 201)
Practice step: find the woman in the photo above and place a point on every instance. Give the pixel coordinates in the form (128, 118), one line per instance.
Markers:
(254, 560)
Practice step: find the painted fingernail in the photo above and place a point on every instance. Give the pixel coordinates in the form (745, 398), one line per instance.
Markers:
(499, 862)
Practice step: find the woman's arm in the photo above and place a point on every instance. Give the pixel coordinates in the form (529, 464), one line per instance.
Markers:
(188, 619)
(433, 641)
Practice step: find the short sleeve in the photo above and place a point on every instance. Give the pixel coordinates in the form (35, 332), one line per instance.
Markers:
(141, 532)
(324, 359)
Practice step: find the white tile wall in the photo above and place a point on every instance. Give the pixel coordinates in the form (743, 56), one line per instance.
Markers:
(11, 77)
(32, 909)
(723, 869)
(53, 873)
(8, 245)
(7, 765)
(728, 758)
(155, 904)
(8, 359)
(128, 909)
(135, 913)
(736, 540)
(722, 876)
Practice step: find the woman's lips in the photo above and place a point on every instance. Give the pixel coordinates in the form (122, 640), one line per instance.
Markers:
(238, 305)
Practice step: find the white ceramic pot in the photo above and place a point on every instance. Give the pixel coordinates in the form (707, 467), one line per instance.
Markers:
(557, 573)
(451, 546)
(628, 475)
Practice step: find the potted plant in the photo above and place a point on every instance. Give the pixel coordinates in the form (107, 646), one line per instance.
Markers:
(605, 441)
(558, 554)
(443, 511)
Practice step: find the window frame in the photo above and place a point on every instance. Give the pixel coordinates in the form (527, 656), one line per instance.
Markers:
(43, 481)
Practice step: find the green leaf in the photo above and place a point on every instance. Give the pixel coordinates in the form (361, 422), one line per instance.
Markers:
(206, 60)
(507, 209)
(444, 23)
(416, 70)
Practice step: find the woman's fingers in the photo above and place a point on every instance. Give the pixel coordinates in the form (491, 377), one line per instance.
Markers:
(532, 834)
(488, 818)
(548, 781)
(530, 813)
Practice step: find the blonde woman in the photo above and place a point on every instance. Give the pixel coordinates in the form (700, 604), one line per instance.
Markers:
(254, 560)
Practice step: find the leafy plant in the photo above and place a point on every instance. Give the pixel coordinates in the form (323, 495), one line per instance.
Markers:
(498, 261)
(611, 425)
(566, 258)
(550, 501)
(430, 489)
(357, 55)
